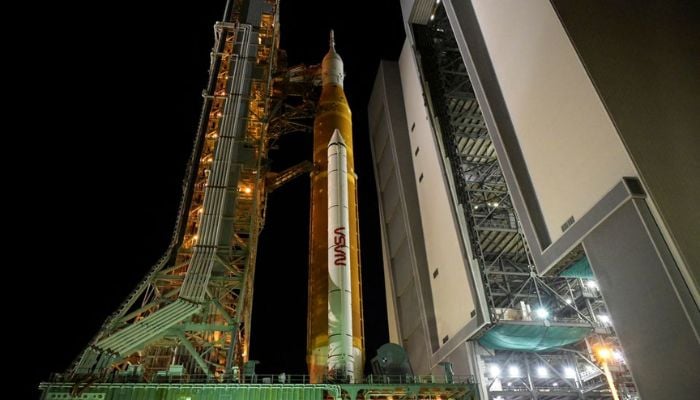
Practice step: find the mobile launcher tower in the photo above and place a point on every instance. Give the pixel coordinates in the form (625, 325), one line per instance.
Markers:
(183, 333)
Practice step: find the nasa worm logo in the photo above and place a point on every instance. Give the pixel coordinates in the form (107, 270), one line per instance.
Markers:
(339, 247)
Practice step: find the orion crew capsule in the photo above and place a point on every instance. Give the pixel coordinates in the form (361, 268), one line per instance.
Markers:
(335, 298)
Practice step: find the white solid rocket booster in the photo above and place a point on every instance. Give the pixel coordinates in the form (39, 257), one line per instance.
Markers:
(340, 352)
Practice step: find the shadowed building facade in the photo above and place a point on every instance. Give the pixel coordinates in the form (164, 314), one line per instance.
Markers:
(526, 149)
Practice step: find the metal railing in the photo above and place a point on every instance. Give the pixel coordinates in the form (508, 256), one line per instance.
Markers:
(265, 379)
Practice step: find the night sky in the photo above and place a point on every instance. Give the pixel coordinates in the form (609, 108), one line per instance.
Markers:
(124, 85)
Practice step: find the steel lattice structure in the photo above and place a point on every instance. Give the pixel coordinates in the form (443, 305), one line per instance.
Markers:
(189, 318)
(191, 313)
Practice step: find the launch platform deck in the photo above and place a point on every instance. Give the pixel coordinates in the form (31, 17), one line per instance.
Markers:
(269, 387)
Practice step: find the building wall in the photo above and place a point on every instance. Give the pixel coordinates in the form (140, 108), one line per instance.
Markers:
(429, 293)
(583, 128)
(571, 148)
(652, 92)
(410, 306)
(638, 272)
(451, 292)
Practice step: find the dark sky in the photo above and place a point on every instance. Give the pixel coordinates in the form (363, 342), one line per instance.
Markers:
(121, 93)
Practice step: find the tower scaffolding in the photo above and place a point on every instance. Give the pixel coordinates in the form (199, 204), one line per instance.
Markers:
(190, 316)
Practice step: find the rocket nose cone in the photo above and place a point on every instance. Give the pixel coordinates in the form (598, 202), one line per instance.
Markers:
(332, 71)
(336, 138)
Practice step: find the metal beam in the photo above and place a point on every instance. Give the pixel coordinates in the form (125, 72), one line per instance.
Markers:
(193, 352)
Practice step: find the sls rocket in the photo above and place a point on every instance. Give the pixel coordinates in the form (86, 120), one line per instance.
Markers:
(335, 344)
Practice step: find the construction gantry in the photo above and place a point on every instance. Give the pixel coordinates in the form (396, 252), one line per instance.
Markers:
(190, 316)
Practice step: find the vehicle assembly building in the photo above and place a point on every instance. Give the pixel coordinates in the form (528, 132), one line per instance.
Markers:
(525, 202)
